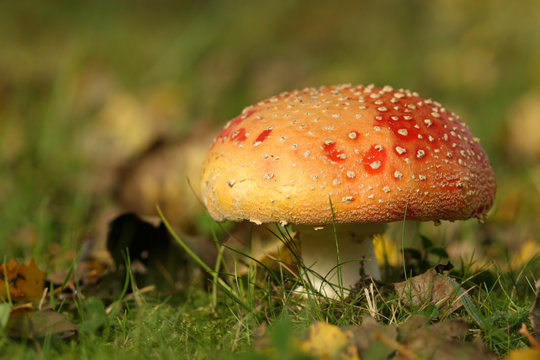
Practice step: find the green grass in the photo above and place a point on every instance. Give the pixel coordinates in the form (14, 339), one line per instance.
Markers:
(198, 324)
(62, 63)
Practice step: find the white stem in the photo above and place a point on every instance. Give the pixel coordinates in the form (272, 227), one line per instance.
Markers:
(356, 252)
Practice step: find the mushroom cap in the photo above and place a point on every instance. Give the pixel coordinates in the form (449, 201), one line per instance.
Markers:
(349, 153)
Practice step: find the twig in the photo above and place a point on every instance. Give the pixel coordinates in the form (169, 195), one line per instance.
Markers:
(371, 303)
(43, 297)
(525, 332)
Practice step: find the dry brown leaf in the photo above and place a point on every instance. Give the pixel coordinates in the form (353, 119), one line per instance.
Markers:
(417, 338)
(429, 288)
(28, 323)
(26, 282)
(364, 336)
(441, 341)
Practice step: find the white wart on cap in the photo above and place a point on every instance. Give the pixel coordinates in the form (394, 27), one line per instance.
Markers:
(375, 152)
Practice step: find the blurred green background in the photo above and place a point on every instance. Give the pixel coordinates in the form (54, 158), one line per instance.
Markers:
(86, 85)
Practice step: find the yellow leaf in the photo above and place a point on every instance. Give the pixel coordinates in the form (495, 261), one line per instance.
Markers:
(326, 341)
(524, 354)
(385, 250)
(25, 282)
(528, 250)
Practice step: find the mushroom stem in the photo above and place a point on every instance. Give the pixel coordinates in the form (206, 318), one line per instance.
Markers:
(356, 255)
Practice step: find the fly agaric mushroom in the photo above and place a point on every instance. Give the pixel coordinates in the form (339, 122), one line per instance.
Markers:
(354, 156)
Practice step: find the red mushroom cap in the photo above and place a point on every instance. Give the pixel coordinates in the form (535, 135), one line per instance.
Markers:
(376, 153)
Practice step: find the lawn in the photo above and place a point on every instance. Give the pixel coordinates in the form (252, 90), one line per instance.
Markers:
(110, 107)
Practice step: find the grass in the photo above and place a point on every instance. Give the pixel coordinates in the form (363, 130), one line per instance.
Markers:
(182, 64)
(199, 323)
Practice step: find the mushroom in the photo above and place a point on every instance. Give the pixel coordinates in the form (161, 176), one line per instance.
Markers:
(340, 162)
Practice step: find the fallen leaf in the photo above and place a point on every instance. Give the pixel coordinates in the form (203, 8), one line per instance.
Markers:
(429, 288)
(524, 354)
(327, 341)
(25, 282)
(442, 340)
(95, 261)
(528, 251)
(364, 341)
(278, 341)
(27, 323)
(416, 338)
(386, 251)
